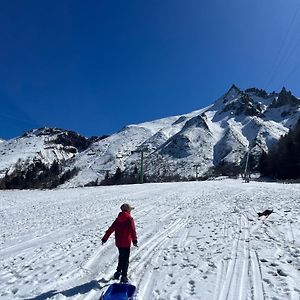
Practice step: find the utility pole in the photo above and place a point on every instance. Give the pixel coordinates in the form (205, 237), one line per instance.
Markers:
(246, 177)
(142, 167)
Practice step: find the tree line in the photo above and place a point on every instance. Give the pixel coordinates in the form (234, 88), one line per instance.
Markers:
(36, 175)
(283, 161)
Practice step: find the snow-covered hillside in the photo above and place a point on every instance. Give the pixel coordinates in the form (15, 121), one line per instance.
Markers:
(40, 147)
(197, 240)
(29, 147)
(212, 141)
(215, 139)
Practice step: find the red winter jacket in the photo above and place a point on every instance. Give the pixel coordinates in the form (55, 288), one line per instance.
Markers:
(124, 229)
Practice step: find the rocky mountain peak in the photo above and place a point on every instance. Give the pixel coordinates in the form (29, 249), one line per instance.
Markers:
(231, 94)
(243, 104)
(285, 98)
(257, 92)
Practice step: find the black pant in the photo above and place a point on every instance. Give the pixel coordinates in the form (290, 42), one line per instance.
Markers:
(123, 261)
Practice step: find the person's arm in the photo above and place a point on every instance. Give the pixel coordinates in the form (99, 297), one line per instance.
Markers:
(109, 231)
(133, 233)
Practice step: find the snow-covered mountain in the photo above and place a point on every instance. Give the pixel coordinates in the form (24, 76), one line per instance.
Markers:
(210, 141)
(213, 140)
(37, 151)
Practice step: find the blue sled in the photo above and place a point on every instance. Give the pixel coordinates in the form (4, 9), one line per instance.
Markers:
(119, 291)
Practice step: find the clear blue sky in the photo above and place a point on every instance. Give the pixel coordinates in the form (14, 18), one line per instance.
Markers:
(96, 66)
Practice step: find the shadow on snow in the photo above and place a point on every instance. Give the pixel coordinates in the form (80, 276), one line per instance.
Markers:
(81, 289)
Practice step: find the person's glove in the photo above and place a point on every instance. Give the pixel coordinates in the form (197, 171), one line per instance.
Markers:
(135, 243)
(103, 241)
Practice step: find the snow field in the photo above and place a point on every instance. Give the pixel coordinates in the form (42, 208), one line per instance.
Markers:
(197, 240)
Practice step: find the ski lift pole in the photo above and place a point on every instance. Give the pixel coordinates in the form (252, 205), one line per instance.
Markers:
(247, 162)
(142, 167)
(246, 178)
(196, 167)
(141, 151)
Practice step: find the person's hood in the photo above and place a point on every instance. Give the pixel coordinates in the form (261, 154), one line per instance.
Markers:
(123, 216)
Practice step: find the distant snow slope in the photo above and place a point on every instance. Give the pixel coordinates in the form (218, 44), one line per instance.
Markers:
(197, 240)
(45, 144)
(29, 149)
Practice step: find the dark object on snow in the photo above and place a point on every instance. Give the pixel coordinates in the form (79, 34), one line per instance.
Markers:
(281, 273)
(266, 213)
(119, 291)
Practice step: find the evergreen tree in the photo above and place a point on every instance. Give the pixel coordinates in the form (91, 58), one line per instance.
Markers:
(283, 161)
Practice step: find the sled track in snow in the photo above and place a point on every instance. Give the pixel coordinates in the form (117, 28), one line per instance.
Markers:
(151, 250)
(239, 276)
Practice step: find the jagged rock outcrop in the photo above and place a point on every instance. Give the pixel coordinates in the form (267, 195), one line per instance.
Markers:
(284, 98)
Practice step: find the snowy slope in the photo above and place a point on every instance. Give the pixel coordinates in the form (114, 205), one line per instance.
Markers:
(122, 149)
(28, 149)
(212, 138)
(197, 240)
(45, 145)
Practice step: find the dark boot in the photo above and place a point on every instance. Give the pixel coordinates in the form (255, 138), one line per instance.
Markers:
(117, 275)
(124, 279)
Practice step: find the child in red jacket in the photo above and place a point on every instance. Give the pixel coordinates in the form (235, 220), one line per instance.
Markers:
(125, 233)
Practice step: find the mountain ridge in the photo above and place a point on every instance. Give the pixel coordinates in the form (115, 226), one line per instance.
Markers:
(214, 140)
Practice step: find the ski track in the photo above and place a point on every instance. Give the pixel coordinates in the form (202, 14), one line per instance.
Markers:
(197, 240)
(239, 275)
